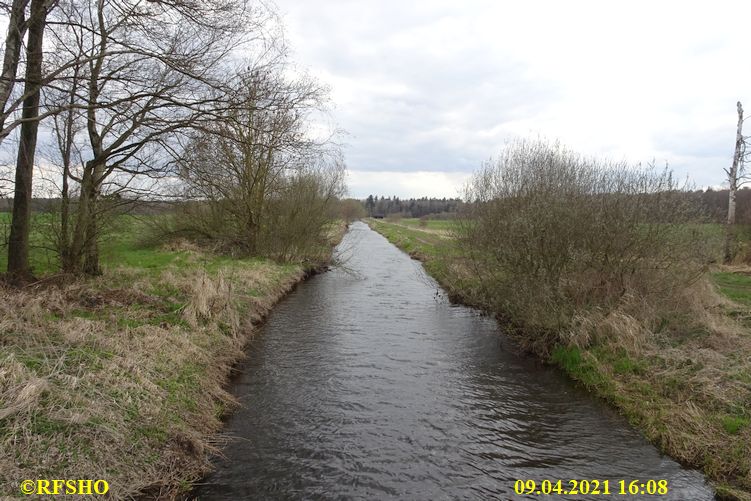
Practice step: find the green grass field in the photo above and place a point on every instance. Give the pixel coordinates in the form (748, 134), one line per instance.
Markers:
(734, 285)
(127, 241)
(429, 224)
(123, 244)
(712, 233)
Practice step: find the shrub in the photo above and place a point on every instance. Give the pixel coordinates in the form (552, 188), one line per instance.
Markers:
(552, 233)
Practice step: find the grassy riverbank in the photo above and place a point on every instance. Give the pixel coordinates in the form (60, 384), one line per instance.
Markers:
(122, 377)
(684, 381)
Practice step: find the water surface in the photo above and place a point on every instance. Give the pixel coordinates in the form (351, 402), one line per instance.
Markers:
(366, 383)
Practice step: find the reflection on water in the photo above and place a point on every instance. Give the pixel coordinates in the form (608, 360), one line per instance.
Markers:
(366, 384)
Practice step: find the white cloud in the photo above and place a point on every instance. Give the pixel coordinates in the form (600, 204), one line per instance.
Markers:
(406, 184)
(438, 86)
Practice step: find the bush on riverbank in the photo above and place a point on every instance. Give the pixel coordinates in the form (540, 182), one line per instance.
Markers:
(554, 235)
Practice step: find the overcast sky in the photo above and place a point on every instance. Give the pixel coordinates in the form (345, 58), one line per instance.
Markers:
(428, 89)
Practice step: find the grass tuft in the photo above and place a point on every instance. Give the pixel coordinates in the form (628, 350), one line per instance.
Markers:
(734, 424)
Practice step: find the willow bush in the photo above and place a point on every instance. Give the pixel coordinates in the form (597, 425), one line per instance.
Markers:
(551, 233)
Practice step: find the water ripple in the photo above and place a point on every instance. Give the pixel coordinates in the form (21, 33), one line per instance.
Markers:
(366, 385)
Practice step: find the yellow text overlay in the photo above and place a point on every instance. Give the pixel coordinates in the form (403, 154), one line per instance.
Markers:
(70, 487)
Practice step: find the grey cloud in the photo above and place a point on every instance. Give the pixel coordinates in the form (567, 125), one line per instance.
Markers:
(442, 99)
(432, 125)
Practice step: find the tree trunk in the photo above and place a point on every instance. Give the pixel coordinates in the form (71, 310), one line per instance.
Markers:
(84, 248)
(78, 240)
(64, 243)
(13, 42)
(733, 175)
(91, 245)
(91, 249)
(18, 244)
(65, 142)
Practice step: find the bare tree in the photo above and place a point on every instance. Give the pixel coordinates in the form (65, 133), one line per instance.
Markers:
(149, 73)
(66, 154)
(18, 244)
(551, 233)
(17, 26)
(260, 183)
(735, 176)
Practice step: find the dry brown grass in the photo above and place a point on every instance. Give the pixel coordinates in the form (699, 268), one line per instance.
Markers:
(122, 377)
(682, 375)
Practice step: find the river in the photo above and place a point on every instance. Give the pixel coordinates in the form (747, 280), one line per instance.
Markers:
(366, 383)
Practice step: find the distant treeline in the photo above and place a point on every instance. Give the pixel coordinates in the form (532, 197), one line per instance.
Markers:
(123, 205)
(413, 207)
(713, 202)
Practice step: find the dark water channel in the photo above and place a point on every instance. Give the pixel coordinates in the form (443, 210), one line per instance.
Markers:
(367, 383)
